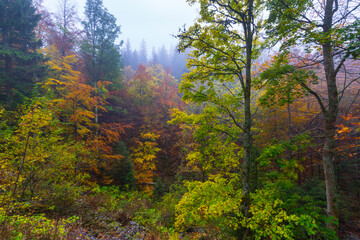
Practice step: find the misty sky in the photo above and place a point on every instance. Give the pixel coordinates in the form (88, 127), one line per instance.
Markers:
(152, 20)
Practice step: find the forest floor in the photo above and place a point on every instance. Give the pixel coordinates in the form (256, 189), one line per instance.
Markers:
(132, 231)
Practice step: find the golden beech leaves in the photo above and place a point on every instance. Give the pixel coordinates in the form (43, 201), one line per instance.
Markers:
(143, 156)
(109, 134)
(153, 93)
(79, 105)
(35, 151)
(238, 158)
(112, 131)
(73, 98)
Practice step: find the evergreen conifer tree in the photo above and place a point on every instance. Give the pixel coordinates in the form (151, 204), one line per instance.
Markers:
(99, 50)
(20, 66)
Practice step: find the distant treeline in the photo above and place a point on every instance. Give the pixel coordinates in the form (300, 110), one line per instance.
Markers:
(169, 58)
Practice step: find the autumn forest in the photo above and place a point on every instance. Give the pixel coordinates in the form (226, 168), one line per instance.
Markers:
(248, 129)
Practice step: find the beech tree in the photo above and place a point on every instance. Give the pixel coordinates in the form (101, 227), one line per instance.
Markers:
(225, 43)
(72, 96)
(326, 30)
(35, 154)
(153, 92)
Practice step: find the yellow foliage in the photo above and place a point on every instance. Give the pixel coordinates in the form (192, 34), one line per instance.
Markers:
(144, 156)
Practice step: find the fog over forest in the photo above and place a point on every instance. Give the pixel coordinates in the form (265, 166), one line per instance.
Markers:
(162, 48)
(179, 119)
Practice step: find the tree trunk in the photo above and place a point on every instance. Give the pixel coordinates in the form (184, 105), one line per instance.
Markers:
(248, 118)
(330, 115)
(8, 64)
(328, 157)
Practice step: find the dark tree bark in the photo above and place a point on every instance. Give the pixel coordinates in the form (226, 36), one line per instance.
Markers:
(331, 113)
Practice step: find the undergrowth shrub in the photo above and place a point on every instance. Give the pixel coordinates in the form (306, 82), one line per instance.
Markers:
(32, 227)
(211, 207)
(62, 200)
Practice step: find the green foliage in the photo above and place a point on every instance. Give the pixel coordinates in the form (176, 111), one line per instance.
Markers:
(281, 210)
(151, 218)
(168, 203)
(101, 54)
(159, 188)
(17, 227)
(276, 155)
(279, 22)
(35, 155)
(62, 198)
(272, 218)
(214, 204)
(215, 149)
(284, 83)
(278, 209)
(20, 62)
(124, 206)
(122, 172)
(288, 22)
(350, 35)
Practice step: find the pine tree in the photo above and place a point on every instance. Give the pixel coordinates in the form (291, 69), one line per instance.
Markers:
(126, 53)
(143, 53)
(163, 56)
(19, 61)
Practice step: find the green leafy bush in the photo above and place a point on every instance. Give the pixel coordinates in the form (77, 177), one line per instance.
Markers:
(32, 227)
(212, 205)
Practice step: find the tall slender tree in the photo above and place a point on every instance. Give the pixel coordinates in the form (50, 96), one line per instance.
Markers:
(64, 35)
(225, 45)
(143, 55)
(99, 49)
(163, 56)
(126, 53)
(330, 28)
